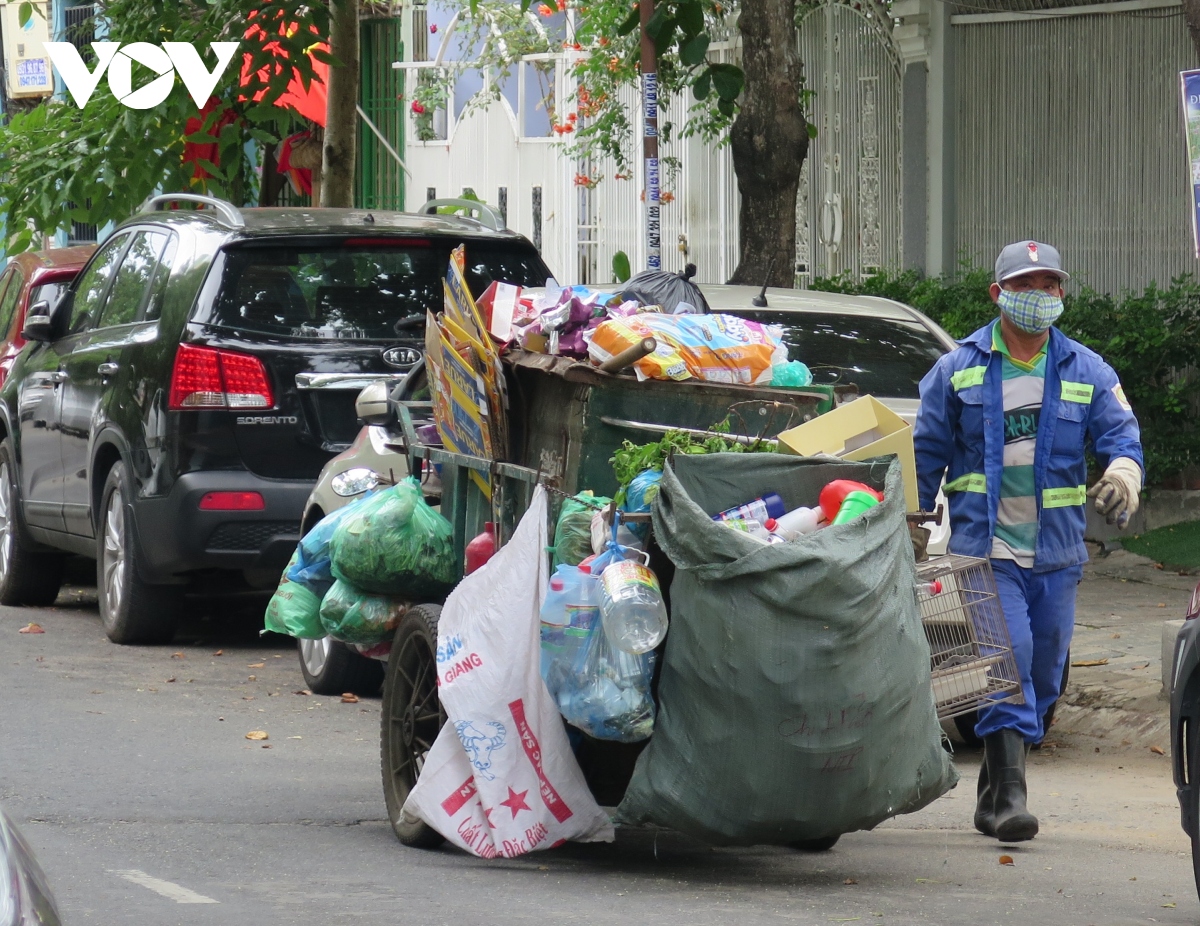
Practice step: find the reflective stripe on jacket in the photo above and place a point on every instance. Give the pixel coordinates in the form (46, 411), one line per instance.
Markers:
(959, 434)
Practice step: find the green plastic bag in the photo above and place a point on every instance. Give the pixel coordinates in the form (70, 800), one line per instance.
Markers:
(395, 544)
(354, 617)
(293, 609)
(573, 533)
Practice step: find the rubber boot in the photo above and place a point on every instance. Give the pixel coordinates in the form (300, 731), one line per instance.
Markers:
(985, 820)
(1005, 758)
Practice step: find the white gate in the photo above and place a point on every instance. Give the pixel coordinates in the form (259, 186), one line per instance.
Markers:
(848, 208)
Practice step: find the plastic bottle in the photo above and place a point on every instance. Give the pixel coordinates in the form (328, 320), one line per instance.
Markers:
(481, 548)
(751, 528)
(631, 607)
(854, 505)
(835, 493)
(759, 509)
(567, 616)
(796, 522)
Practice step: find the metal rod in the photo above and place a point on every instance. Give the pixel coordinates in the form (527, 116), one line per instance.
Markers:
(695, 432)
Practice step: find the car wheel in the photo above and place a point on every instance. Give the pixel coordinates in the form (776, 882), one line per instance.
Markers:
(412, 719)
(131, 610)
(26, 577)
(331, 668)
(824, 844)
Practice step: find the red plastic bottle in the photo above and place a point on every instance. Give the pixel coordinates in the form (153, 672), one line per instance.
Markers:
(835, 493)
(481, 548)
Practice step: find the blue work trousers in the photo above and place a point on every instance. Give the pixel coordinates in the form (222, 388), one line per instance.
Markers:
(1039, 608)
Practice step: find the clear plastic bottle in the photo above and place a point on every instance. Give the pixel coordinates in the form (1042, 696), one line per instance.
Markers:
(567, 616)
(631, 607)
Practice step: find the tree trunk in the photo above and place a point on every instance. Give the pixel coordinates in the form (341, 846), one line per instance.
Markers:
(769, 141)
(341, 117)
(1191, 13)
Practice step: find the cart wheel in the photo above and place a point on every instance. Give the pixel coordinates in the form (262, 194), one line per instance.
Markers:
(824, 844)
(412, 719)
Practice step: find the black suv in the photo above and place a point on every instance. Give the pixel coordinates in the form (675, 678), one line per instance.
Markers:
(178, 403)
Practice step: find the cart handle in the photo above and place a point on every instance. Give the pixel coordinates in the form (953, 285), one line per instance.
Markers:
(663, 429)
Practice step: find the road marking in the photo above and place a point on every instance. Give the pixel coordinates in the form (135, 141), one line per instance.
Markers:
(166, 888)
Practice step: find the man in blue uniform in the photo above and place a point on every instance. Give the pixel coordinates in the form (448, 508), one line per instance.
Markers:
(1004, 419)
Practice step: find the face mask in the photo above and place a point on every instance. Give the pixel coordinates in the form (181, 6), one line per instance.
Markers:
(1033, 312)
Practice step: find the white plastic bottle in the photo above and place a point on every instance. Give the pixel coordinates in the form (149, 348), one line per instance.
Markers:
(798, 521)
(631, 607)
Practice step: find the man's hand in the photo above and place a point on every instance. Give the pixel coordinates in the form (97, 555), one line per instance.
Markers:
(1117, 491)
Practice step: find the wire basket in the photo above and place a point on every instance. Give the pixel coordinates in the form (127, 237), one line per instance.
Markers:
(970, 652)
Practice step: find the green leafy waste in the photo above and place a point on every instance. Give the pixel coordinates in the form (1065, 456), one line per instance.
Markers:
(1177, 545)
(633, 458)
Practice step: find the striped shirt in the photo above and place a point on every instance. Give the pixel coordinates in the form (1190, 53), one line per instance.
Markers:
(1017, 516)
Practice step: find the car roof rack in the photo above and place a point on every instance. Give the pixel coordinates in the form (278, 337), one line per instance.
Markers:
(481, 212)
(229, 213)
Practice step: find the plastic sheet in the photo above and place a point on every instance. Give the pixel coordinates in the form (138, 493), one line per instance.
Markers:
(352, 616)
(294, 609)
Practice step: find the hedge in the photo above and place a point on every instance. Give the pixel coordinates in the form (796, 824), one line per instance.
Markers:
(1152, 340)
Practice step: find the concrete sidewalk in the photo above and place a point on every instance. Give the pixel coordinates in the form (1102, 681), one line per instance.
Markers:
(1123, 601)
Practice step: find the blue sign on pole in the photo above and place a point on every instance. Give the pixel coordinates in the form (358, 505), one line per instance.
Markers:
(1189, 85)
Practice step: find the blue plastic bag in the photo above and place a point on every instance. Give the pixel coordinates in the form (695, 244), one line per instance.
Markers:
(607, 692)
(312, 567)
(638, 497)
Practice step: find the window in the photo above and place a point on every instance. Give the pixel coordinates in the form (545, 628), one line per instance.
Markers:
(133, 279)
(89, 294)
(370, 289)
(158, 288)
(9, 297)
(882, 356)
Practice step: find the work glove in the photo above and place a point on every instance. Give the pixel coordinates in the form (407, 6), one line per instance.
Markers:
(1117, 491)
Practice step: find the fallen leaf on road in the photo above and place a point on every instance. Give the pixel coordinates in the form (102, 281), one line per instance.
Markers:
(1168, 905)
(1084, 663)
(1162, 604)
(1157, 750)
(222, 718)
(1158, 565)
(349, 698)
(171, 679)
(266, 746)
(40, 659)
(178, 656)
(1116, 636)
(1133, 879)
(245, 698)
(219, 652)
(1007, 860)
(252, 678)
(256, 665)
(302, 691)
(257, 735)
(31, 628)
(543, 867)
(849, 881)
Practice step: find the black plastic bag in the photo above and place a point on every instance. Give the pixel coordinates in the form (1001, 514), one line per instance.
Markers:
(660, 287)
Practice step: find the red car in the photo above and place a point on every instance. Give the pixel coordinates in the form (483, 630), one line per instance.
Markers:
(30, 278)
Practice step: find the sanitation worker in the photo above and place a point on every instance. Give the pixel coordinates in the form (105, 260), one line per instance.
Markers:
(1005, 419)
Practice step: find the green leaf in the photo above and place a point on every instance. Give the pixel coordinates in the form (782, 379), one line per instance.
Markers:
(726, 108)
(728, 81)
(690, 16)
(693, 51)
(620, 266)
(24, 13)
(658, 22)
(812, 129)
(702, 85)
(631, 21)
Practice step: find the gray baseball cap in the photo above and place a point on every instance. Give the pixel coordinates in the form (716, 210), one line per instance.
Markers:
(1029, 257)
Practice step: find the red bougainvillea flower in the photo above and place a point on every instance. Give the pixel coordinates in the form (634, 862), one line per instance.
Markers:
(571, 117)
(666, 197)
(604, 41)
(418, 107)
(433, 28)
(562, 5)
(545, 9)
(613, 63)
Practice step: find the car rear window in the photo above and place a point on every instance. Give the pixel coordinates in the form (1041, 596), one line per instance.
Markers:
(357, 289)
(882, 356)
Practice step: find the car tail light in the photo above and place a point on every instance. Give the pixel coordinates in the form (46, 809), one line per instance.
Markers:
(1193, 610)
(232, 501)
(208, 378)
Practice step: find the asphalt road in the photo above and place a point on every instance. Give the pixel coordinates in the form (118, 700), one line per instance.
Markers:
(129, 771)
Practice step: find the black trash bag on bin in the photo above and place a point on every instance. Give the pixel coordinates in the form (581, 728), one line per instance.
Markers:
(661, 287)
(795, 699)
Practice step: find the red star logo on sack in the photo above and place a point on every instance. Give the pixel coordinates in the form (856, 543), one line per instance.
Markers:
(1032, 248)
(516, 802)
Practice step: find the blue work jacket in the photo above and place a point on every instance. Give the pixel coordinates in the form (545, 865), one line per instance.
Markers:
(960, 434)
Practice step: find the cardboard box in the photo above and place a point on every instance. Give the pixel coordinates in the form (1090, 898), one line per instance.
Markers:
(858, 430)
